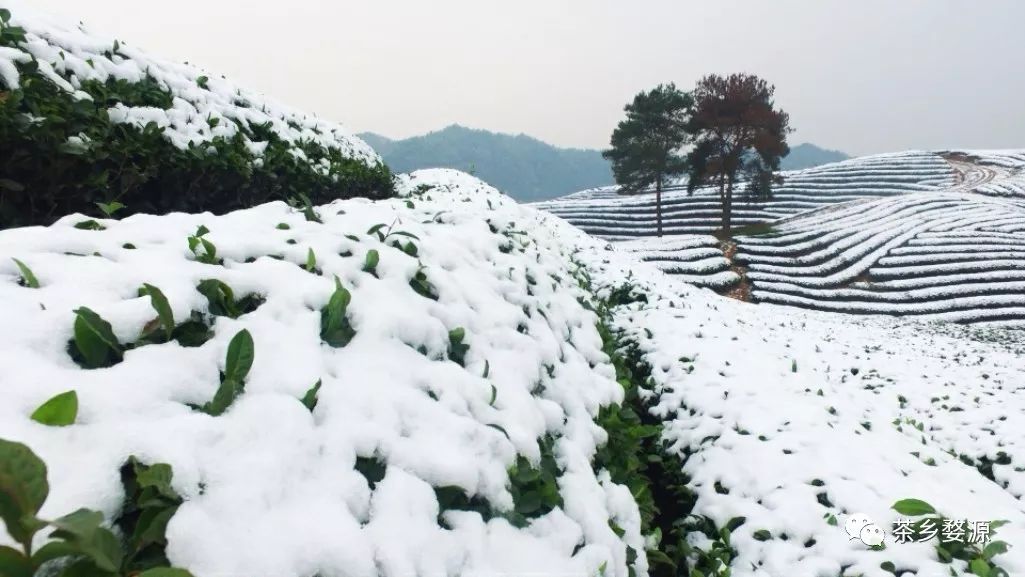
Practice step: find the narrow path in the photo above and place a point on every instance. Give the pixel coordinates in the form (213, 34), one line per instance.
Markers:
(968, 173)
(741, 290)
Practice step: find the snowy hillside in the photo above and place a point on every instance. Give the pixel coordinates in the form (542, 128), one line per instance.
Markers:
(463, 357)
(455, 427)
(615, 217)
(938, 236)
(339, 381)
(792, 422)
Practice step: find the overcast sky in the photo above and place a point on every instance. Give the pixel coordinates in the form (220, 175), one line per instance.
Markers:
(862, 76)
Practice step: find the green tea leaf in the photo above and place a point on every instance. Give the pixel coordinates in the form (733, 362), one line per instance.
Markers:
(23, 489)
(404, 233)
(29, 279)
(979, 567)
(152, 526)
(50, 551)
(309, 400)
(220, 298)
(165, 572)
(81, 524)
(59, 411)
(210, 251)
(157, 476)
(89, 225)
(163, 308)
(13, 563)
(109, 208)
(311, 260)
(913, 507)
(994, 548)
(95, 339)
(370, 264)
(240, 357)
(104, 549)
(335, 329)
(456, 348)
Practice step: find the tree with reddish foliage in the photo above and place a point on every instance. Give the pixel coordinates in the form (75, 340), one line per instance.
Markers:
(738, 136)
(646, 146)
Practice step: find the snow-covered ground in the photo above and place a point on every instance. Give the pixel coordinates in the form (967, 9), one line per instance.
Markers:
(792, 418)
(270, 488)
(937, 235)
(475, 372)
(775, 406)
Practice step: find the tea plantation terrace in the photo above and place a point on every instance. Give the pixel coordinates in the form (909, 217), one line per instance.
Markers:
(939, 236)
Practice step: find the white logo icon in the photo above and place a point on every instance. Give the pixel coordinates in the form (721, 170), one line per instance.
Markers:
(860, 527)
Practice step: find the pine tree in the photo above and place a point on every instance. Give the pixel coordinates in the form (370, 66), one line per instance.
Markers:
(645, 147)
(738, 135)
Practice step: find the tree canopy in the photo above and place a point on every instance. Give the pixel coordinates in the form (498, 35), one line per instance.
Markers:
(646, 146)
(738, 135)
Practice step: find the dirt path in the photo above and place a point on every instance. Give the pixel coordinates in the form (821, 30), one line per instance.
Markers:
(742, 289)
(969, 174)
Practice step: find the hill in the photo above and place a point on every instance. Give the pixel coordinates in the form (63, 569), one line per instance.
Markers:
(442, 393)
(522, 167)
(808, 155)
(938, 236)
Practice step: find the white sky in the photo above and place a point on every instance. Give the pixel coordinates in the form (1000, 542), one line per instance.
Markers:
(862, 76)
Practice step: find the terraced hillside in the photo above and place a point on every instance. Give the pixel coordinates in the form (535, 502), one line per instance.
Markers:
(601, 212)
(934, 235)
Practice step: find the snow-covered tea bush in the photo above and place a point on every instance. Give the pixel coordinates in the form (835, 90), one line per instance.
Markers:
(411, 385)
(86, 120)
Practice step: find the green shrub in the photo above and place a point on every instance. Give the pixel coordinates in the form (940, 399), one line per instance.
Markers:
(44, 175)
(78, 541)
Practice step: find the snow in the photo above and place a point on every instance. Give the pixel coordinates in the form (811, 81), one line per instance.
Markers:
(280, 494)
(785, 417)
(747, 391)
(69, 55)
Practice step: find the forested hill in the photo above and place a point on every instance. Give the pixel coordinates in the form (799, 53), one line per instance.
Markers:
(808, 155)
(521, 166)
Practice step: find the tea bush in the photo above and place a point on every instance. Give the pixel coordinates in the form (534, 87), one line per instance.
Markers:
(62, 154)
(79, 544)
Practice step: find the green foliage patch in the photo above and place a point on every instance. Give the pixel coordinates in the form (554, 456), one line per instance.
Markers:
(237, 362)
(79, 545)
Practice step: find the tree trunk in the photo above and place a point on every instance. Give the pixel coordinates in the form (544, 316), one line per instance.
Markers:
(658, 204)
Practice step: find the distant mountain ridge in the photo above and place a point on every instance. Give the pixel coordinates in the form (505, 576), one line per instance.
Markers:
(521, 166)
(524, 167)
(808, 155)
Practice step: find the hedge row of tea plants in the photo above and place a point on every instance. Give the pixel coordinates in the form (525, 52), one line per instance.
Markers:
(637, 456)
(79, 545)
(63, 155)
